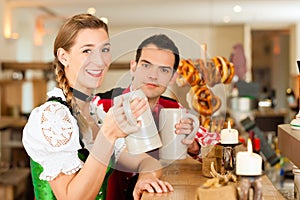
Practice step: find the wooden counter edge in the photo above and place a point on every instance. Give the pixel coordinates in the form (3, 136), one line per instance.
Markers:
(289, 143)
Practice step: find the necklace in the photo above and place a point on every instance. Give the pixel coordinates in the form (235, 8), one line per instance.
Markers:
(81, 95)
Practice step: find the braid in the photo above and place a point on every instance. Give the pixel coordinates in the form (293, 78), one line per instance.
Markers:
(63, 84)
(62, 81)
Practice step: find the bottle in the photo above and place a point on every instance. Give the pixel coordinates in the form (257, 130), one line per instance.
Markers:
(292, 100)
(290, 96)
(273, 98)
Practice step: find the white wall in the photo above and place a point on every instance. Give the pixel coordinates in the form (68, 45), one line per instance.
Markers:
(219, 40)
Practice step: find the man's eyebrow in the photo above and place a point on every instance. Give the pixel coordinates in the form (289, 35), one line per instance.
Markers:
(165, 67)
(162, 66)
(146, 61)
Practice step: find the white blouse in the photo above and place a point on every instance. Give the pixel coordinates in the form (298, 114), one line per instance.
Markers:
(51, 138)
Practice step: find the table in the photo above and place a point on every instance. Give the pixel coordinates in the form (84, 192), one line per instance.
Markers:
(186, 176)
(289, 143)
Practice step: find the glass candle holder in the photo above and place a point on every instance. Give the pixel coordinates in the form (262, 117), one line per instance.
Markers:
(229, 158)
(250, 182)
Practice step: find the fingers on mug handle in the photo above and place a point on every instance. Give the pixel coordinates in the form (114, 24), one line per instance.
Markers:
(128, 112)
(123, 125)
(195, 125)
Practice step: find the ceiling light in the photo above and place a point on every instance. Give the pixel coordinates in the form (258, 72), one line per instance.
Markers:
(104, 19)
(91, 11)
(237, 8)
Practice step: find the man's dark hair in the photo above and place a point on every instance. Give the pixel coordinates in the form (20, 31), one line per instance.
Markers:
(162, 42)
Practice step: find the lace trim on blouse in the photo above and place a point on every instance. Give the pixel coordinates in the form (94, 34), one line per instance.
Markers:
(56, 125)
(51, 138)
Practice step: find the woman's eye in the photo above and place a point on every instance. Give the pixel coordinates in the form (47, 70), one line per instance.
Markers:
(105, 50)
(87, 51)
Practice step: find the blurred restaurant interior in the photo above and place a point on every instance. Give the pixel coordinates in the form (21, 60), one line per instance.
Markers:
(266, 90)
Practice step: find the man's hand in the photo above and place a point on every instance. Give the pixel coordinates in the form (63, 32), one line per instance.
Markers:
(150, 183)
(185, 126)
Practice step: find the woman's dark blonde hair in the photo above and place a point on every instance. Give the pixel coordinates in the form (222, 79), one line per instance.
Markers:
(65, 39)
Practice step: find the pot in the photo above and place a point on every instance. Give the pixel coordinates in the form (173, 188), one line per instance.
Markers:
(243, 104)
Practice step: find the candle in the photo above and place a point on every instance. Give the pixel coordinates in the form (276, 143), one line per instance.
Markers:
(248, 163)
(229, 135)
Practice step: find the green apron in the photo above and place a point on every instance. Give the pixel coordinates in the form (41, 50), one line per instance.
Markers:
(43, 191)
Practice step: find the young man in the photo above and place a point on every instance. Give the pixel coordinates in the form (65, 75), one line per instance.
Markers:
(156, 62)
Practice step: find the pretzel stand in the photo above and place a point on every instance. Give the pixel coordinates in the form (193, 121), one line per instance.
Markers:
(201, 75)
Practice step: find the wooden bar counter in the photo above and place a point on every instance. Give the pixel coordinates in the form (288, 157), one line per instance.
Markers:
(289, 143)
(186, 177)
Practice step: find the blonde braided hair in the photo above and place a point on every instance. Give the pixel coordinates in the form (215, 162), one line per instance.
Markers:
(65, 39)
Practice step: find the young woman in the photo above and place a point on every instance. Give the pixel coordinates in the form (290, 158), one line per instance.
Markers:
(59, 132)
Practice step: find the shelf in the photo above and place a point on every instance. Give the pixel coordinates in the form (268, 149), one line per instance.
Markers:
(26, 65)
(9, 81)
(11, 122)
(13, 144)
(12, 81)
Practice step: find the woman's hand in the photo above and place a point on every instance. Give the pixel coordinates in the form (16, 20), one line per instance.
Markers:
(150, 183)
(116, 124)
(138, 106)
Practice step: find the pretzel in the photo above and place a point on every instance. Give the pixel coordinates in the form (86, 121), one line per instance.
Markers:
(221, 66)
(188, 74)
(213, 124)
(213, 75)
(204, 101)
(205, 121)
(231, 73)
(225, 69)
(203, 72)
